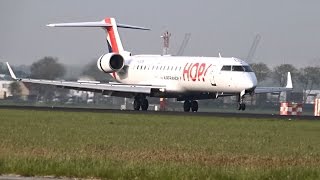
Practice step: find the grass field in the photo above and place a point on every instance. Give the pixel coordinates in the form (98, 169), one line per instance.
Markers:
(123, 146)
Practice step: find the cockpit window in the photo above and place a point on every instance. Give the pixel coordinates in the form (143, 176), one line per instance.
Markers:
(237, 68)
(248, 69)
(226, 68)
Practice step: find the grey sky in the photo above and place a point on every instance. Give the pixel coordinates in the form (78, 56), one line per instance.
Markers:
(289, 29)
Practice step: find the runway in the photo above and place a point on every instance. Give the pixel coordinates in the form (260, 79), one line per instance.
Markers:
(239, 114)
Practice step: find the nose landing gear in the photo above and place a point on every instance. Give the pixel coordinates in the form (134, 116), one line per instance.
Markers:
(241, 105)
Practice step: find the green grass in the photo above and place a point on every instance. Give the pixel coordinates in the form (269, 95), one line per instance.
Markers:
(123, 146)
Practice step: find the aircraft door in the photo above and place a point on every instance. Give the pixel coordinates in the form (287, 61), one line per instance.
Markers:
(212, 78)
(224, 77)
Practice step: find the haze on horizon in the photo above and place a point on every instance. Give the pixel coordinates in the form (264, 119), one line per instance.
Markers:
(289, 29)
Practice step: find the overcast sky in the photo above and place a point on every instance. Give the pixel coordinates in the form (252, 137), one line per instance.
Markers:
(289, 29)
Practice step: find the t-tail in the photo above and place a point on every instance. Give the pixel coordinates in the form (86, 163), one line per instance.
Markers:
(115, 60)
(111, 28)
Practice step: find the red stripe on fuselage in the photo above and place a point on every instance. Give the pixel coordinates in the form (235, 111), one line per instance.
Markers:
(113, 40)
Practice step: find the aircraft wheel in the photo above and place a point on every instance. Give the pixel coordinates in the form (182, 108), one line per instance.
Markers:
(194, 106)
(186, 106)
(239, 106)
(136, 105)
(144, 105)
(243, 107)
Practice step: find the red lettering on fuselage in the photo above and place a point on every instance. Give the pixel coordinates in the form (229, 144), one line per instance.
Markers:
(206, 73)
(201, 70)
(186, 71)
(195, 72)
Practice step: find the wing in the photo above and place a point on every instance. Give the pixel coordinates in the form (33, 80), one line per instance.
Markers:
(93, 86)
(288, 87)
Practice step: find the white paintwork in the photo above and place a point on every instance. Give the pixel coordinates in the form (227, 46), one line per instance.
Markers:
(146, 70)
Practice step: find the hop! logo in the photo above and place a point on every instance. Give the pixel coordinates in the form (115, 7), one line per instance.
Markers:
(195, 72)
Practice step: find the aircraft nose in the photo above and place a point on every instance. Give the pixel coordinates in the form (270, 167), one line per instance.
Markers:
(251, 82)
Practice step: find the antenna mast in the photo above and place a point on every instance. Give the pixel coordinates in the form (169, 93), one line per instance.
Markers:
(166, 41)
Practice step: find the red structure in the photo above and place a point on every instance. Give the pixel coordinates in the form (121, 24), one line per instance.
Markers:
(288, 108)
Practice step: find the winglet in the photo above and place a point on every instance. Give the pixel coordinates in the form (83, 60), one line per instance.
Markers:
(289, 81)
(11, 72)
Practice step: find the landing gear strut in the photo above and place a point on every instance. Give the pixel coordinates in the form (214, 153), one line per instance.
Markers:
(140, 102)
(190, 105)
(241, 105)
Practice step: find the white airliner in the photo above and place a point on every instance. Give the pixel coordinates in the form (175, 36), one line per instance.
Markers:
(187, 79)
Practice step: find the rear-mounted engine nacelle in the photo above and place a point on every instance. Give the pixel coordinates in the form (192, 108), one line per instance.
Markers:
(110, 63)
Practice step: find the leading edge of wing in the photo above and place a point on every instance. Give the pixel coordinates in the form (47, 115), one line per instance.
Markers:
(145, 89)
(93, 86)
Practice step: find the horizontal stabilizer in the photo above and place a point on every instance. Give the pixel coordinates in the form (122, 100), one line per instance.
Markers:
(95, 24)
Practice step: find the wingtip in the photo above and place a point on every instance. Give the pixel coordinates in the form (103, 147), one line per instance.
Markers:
(289, 81)
(50, 25)
(11, 72)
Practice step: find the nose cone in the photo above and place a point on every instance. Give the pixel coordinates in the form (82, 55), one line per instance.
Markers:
(251, 81)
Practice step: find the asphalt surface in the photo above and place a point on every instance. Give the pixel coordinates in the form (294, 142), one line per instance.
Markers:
(240, 114)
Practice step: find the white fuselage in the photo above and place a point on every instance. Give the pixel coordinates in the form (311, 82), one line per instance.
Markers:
(188, 74)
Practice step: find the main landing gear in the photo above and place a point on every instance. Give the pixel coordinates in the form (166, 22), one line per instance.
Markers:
(190, 105)
(140, 102)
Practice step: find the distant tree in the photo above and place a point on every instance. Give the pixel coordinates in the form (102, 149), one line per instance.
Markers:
(279, 73)
(22, 71)
(3, 68)
(309, 78)
(261, 70)
(15, 89)
(92, 70)
(19, 71)
(46, 68)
